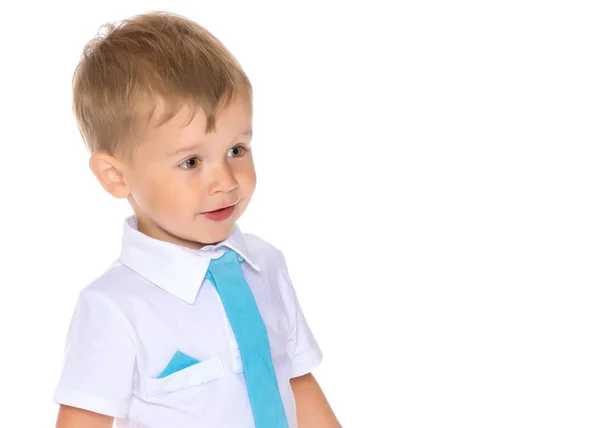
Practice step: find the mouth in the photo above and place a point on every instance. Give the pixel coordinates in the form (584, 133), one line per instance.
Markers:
(220, 214)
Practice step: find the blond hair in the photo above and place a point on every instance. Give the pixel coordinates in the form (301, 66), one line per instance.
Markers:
(126, 70)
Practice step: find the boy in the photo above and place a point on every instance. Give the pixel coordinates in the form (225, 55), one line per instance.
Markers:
(196, 324)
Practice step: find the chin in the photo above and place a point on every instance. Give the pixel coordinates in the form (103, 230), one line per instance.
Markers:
(216, 237)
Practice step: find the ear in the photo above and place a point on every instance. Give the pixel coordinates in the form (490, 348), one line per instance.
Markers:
(110, 173)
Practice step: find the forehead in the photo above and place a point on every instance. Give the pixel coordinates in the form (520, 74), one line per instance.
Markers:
(187, 122)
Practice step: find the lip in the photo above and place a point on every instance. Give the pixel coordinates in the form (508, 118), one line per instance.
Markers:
(222, 207)
(220, 214)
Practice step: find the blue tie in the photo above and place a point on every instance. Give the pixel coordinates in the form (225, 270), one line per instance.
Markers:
(251, 334)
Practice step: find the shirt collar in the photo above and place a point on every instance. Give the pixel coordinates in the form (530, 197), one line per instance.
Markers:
(177, 270)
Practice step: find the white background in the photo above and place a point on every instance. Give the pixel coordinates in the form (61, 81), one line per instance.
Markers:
(430, 169)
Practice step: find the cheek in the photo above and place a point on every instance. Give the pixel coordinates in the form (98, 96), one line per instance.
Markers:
(247, 176)
(160, 192)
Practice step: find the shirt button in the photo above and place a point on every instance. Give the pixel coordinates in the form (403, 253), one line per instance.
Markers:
(240, 259)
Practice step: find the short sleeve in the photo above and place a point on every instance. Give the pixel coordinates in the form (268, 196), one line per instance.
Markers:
(302, 347)
(99, 360)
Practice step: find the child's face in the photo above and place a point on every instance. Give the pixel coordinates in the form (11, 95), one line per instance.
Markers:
(179, 173)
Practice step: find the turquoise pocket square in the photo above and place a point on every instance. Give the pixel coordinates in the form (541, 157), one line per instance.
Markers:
(179, 362)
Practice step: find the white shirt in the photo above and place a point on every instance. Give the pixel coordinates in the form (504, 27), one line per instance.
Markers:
(153, 302)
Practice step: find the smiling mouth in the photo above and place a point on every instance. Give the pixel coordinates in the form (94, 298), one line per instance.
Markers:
(220, 214)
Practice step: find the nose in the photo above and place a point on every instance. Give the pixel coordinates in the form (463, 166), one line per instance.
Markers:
(222, 179)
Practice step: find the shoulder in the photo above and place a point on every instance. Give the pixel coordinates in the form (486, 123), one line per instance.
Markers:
(116, 288)
(272, 261)
(117, 279)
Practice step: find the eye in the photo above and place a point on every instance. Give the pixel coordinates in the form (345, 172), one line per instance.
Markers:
(190, 163)
(237, 151)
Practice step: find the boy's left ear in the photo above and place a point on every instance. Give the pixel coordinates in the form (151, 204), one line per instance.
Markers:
(110, 173)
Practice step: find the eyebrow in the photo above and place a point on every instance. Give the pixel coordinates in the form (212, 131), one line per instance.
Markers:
(194, 146)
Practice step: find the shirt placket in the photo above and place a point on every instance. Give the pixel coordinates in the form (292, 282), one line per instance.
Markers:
(234, 348)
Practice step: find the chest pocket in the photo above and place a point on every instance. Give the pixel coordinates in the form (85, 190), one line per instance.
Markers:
(198, 374)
